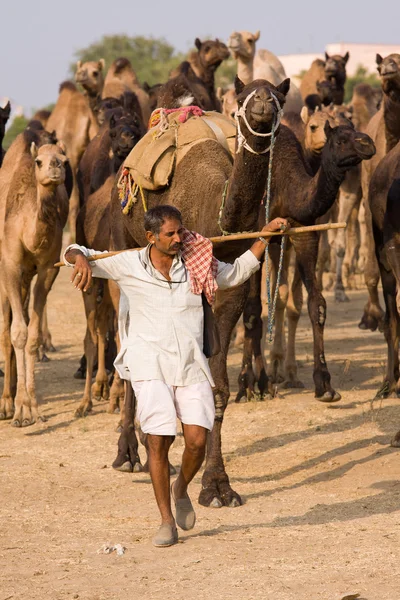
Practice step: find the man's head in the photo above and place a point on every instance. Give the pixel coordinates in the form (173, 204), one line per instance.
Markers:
(164, 229)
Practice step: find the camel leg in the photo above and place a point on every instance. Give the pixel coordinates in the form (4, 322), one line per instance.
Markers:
(6, 402)
(352, 249)
(252, 344)
(373, 314)
(128, 459)
(101, 388)
(293, 312)
(47, 344)
(347, 201)
(117, 392)
(90, 348)
(276, 370)
(216, 490)
(73, 206)
(323, 258)
(306, 247)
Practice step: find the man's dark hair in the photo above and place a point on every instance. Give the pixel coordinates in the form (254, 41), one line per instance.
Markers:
(155, 217)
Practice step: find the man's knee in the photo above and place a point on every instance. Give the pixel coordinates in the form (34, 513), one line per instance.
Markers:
(195, 441)
(159, 445)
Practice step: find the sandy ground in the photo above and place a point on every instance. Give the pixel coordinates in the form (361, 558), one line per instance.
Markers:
(320, 484)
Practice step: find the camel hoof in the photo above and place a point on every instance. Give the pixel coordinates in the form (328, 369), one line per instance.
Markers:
(362, 326)
(27, 422)
(44, 358)
(341, 296)
(293, 384)
(330, 397)
(395, 442)
(267, 396)
(50, 348)
(172, 470)
(79, 374)
(137, 467)
(16, 423)
(82, 412)
(119, 428)
(384, 391)
(216, 503)
(126, 467)
(1, 373)
(234, 503)
(241, 398)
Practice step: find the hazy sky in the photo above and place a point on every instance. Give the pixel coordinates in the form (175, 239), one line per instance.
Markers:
(39, 37)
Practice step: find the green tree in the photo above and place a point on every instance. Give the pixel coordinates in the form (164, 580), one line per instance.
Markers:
(360, 76)
(17, 126)
(151, 58)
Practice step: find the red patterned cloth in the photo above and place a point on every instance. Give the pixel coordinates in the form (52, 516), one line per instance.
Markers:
(197, 252)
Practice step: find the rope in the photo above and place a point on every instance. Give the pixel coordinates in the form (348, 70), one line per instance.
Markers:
(221, 209)
(241, 112)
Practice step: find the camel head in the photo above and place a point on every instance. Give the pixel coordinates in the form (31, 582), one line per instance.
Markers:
(125, 132)
(314, 136)
(90, 75)
(325, 89)
(389, 71)
(335, 66)
(211, 52)
(242, 44)
(4, 116)
(50, 164)
(346, 147)
(228, 101)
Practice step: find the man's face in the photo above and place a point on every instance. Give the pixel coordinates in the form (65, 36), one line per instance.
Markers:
(169, 240)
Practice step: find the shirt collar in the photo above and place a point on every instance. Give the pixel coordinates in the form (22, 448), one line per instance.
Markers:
(148, 265)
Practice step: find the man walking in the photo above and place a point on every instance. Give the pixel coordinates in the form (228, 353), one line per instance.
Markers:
(161, 328)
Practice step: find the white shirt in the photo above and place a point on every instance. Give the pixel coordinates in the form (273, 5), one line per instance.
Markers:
(161, 322)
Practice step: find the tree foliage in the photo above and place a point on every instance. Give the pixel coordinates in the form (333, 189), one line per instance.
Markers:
(360, 76)
(17, 126)
(151, 58)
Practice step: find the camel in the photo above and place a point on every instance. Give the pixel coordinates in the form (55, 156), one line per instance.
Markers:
(262, 64)
(333, 69)
(74, 123)
(90, 76)
(200, 69)
(4, 116)
(302, 199)
(36, 210)
(42, 116)
(152, 92)
(199, 199)
(384, 129)
(228, 102)
(122, 78)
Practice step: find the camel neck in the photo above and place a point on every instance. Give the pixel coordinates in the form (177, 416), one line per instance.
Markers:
(391, 115)
(245, 192)
(245, 69)
(326, 184)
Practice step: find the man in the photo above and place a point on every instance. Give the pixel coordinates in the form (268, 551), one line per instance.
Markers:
(161, 329)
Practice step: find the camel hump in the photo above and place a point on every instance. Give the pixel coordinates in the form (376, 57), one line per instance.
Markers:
(268, 57)
(67, 85)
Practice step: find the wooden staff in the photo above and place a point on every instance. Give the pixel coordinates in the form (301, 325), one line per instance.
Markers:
(234, 237)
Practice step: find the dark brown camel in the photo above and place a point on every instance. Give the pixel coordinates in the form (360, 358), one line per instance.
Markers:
(199, 199)
(203, 64)
(384, 128)
(4, 116)
(333, 70)
(302, 199)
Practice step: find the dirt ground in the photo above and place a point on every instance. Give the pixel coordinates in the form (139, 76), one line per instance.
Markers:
(320, 484)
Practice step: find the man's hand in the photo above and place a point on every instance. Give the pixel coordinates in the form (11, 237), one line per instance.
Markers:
(82, 273)
(278, 224)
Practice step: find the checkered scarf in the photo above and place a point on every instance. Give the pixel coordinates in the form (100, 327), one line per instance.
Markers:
(201, 264)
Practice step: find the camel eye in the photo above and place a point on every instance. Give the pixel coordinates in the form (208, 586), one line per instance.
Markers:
(95, 73)
(250, 41)
(38, 162)
(313, 128)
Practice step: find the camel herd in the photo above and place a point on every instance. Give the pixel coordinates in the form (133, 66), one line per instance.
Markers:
(328, 161)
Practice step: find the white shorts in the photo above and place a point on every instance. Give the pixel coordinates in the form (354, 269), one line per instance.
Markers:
(158, 405)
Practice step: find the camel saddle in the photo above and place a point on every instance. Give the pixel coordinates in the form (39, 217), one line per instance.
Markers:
(152, 161)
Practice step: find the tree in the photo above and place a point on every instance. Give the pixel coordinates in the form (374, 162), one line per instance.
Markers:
(151, 58)
(360, 76)
(17, 126)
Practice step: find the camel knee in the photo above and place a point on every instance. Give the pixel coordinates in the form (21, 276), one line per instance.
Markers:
(19, 335)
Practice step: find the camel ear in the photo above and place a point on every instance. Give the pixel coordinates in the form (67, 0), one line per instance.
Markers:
(256, 35)
(346, 57)
(102, 64)
(79, 64)
(197, 43)
(146, 87)
(62, 146)
(239, 85)
(220, 93)
(7, 108)
(379, 59)
(326, 56)
(284, 87)
(305, 117)
(34, 151)
(327, 129)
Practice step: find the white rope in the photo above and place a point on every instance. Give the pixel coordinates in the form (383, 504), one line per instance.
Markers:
(241, 112)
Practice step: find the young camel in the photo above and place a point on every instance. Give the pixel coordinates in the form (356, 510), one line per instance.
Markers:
(35, 215)
(302, 199)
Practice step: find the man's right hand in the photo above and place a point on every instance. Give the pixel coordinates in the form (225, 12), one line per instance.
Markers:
(82, 273)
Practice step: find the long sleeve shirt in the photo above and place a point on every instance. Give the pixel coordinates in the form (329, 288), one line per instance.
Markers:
(161, 321)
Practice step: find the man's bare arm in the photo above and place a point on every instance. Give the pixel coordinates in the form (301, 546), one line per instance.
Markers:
(82, 274)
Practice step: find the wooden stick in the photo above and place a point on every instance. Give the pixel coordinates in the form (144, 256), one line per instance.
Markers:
(234, 237)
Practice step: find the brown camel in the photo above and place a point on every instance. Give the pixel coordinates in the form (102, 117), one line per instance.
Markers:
(203, 62)
(384, 128)
(122, 78)
(333, 69)
(262, 64)
(302, 199)
(42, 116)
(199, 199)
(90, 76)
(4, 116)
(74, 123)
(36, 209)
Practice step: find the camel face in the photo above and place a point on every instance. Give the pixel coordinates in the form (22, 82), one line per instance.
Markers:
(347, 146)
(335, 66)
(261, 109)
(50, 162)
(389, 71)
(90, 75)
(243, 44)
(212, 52)
(124, 134)
(315, 137)
(229, 104)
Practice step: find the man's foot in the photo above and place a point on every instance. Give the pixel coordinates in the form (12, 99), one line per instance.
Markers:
(166, 536)
(185, 515)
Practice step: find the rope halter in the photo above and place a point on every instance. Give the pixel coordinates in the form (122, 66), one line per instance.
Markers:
(241, 112)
